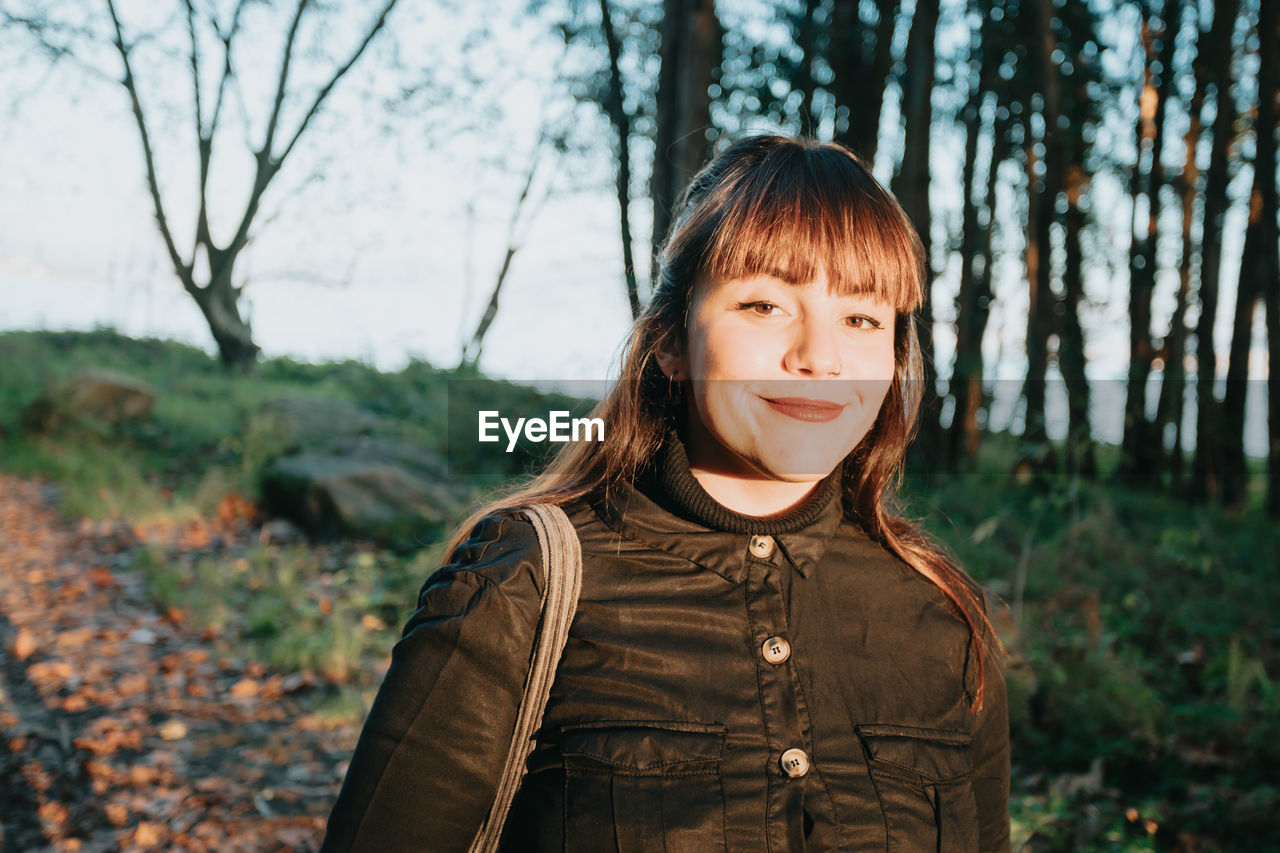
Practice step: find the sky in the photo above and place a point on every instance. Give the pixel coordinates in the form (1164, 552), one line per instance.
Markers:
(382, 244)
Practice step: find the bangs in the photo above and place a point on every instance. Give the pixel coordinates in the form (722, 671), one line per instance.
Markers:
(803, 210)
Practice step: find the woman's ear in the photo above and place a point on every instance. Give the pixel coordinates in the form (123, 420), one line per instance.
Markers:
(670, 359)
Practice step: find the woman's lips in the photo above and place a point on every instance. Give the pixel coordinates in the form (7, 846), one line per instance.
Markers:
(802, 409)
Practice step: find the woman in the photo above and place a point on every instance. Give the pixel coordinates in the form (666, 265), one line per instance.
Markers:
(763, 656)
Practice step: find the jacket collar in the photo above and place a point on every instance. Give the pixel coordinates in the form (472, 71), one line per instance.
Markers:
(666, 508)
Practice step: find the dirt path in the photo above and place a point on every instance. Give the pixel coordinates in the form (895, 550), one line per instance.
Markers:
(119, 729)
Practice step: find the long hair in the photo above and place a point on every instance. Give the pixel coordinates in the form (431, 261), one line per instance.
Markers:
(785, 207)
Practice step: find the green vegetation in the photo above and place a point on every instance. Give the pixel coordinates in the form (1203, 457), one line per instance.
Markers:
(1142, 640)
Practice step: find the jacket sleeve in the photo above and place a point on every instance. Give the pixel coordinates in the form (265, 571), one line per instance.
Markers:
(991, 762)
(428, 760)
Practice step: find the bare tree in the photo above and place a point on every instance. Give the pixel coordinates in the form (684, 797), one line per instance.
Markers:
(205, 266)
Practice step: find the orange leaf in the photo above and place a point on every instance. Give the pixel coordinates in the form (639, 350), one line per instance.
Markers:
(100, 576)
(244, 688)
(24, 644)
(147, 834)
(173, 730)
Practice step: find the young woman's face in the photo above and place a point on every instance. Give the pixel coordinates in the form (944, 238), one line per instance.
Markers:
(786, 379)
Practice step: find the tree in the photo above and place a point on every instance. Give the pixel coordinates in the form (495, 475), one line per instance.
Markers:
(912, 189)
(1259, 272)
(1140, 447)
(205, 43)
(1213, 68)
(690, 62)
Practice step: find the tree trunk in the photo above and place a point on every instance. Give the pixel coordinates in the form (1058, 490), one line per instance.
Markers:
(972, 305)
(1080, 458)
(912, 190)
(219, 303)
(1259, 269)
(806, 38)
(1214, 63)
(1001, 148)
(621, 121)
(1041, 209)
(690, 55)
(1141, 446)
(1071, 357)
(861, 56)
(1173, 388)
(1269, 87)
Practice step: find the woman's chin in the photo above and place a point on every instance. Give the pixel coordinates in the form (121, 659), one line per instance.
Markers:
(798, 464)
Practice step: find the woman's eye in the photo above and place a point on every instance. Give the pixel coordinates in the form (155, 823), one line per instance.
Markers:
(866, 322)
(764, 309)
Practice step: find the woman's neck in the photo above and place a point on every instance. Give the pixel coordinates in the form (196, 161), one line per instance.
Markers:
(735, 485)
(761, 498)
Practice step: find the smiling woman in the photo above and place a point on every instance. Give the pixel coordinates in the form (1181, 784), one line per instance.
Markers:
(763, 656)
(786, 378)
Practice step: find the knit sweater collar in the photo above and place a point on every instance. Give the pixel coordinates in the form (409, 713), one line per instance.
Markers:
(670, 483)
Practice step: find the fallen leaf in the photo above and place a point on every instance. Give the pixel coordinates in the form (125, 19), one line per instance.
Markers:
(52, 812)
(116, 813)
(75, 703)
(147, 834)
(140, 775)
(75, 637)
(244, 688)
(100, 576)
(173, 730)
(24, 644)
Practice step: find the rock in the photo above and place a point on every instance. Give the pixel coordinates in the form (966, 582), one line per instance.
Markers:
(106, 396)
(377, 488)
(310, 424)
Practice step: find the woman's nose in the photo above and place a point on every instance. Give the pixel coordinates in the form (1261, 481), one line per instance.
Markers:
(815, 351)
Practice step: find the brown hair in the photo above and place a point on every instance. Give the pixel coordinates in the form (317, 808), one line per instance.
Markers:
(782, 206)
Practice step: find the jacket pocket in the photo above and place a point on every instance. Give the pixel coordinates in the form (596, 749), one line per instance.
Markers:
(638, 787)
(923, 779)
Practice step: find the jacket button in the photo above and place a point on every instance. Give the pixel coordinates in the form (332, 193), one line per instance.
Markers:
(795, 763)
(761, 546)
(776, 650)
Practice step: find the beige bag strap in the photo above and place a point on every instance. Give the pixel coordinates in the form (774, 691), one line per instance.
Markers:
(562, 582)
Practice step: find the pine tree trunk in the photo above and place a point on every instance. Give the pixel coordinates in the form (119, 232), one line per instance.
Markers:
(860, 58)
(1259, 269)
(1043, 200)
(1269, 87)
(912, 190)
(689, 54)
(1071, 357)
(1173, 388)
(1213, 67)
(1141, 446)
(972, 305)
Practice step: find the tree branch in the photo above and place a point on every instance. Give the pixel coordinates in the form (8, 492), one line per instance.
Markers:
(338, 75)
(226, 39)
(182, 269)
(269, 142)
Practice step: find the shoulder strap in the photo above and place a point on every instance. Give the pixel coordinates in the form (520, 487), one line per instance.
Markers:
(562, 582)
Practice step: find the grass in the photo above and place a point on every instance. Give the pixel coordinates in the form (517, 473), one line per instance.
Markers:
(1144, 653)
